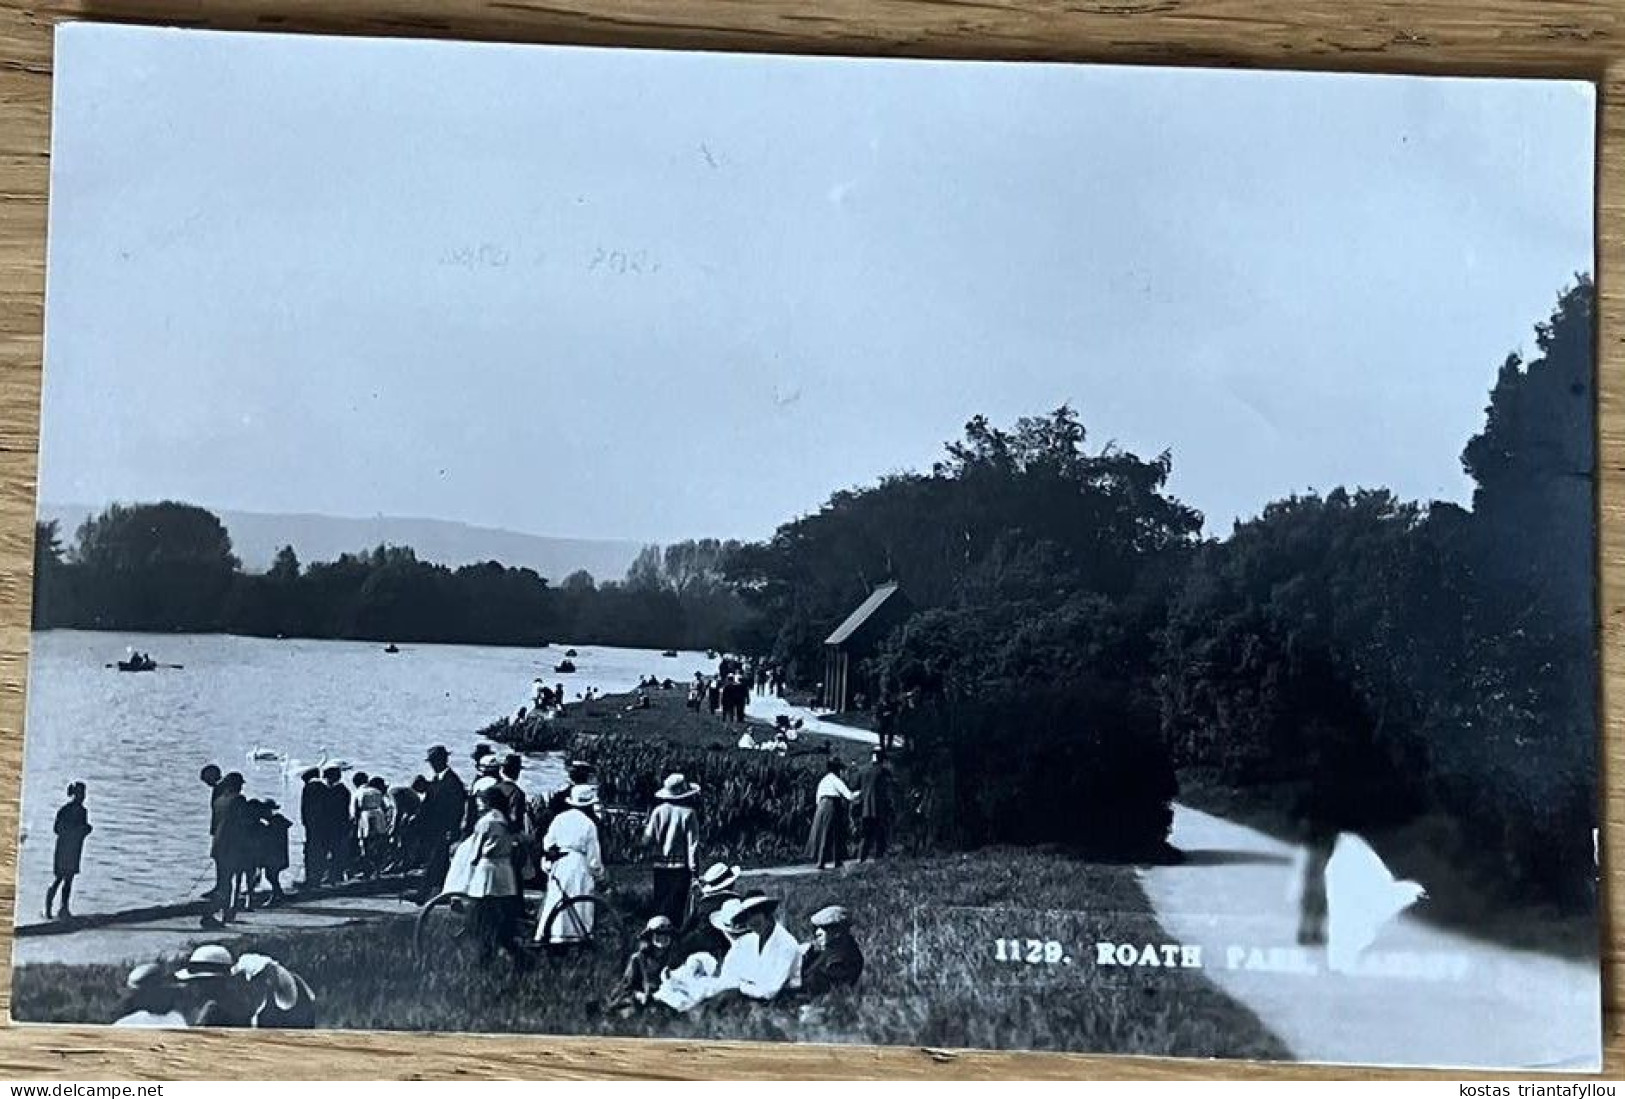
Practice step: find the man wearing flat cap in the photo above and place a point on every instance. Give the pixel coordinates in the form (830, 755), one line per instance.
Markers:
(833, 960)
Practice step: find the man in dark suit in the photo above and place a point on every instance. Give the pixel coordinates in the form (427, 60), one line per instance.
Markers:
(228, 845)
(310, 815)
(442, 817)
(877, 803)
(334, 832)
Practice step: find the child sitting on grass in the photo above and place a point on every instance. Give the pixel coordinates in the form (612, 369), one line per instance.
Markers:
(645, 969)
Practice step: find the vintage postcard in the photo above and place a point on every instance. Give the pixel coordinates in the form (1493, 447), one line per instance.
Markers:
(680, 545)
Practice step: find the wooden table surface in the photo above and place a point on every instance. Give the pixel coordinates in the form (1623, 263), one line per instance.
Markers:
(1570, 38)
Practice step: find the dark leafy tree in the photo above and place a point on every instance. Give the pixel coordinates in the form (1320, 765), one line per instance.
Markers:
(52, 597)
(165, 566)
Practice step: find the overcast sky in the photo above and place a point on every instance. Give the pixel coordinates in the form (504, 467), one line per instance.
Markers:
(659, 295)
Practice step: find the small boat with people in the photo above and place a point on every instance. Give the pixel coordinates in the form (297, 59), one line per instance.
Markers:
(138, 662)
(392, 648)
(564, 667)
(571, 652)
(710, 654)
(669, 652)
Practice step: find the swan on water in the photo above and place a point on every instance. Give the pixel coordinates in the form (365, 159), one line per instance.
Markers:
(257, 754)
(292, 767)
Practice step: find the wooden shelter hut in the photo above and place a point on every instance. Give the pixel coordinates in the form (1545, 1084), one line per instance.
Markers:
(855, 639)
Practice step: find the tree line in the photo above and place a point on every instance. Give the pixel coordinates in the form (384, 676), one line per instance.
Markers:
(169, 567)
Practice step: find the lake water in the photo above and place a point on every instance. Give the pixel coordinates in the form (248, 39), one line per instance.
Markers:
(139, 740)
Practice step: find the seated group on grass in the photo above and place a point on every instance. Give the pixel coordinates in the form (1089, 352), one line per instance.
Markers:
(734, 947)
(213, 989)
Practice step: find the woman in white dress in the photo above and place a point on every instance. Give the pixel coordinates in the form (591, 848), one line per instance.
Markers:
(491, 881)
(371, 825)
(578, 864)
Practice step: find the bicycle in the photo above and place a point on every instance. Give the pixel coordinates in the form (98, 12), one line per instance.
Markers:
(586, 921)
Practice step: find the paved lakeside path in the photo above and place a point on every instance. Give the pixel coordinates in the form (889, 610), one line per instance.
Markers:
(1421, 995)
(143, 941)
(770, 707)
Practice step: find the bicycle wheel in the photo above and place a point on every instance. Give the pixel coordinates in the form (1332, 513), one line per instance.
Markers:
(442, 929)
(587, 922)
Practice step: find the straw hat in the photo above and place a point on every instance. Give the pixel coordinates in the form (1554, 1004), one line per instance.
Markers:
(677, 788)
(730, 917)
(717, 877)
(583, 796)
(657, 925)
(207, 962)
(146, 975)
(488, 764)
(283, 988)
(724, 918)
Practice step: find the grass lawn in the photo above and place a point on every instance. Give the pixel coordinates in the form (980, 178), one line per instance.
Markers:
(667, 721)
(929, 929)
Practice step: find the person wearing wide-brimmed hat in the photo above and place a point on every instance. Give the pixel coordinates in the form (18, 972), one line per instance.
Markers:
(214, 994)
(278, 997)
(646, 968)
(151, 999)
(699, 934)
(673, 832)
(833, 959)
(572, 844)
(826, 844)
(764, 959)
(487, 773)
(580, 773)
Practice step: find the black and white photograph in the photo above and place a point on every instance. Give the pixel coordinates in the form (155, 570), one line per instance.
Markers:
(649, 544)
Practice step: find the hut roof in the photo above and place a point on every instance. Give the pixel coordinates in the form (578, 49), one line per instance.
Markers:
(866, 610)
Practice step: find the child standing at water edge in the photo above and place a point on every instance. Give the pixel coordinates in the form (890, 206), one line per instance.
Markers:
(72, 826)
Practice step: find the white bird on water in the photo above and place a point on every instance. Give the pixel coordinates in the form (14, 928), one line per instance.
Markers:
(1362, 897)
(291, 768)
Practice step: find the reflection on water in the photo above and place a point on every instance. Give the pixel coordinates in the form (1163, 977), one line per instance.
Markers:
(139, 739)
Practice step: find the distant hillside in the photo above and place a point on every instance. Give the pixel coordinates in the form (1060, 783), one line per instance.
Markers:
(256, 537)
